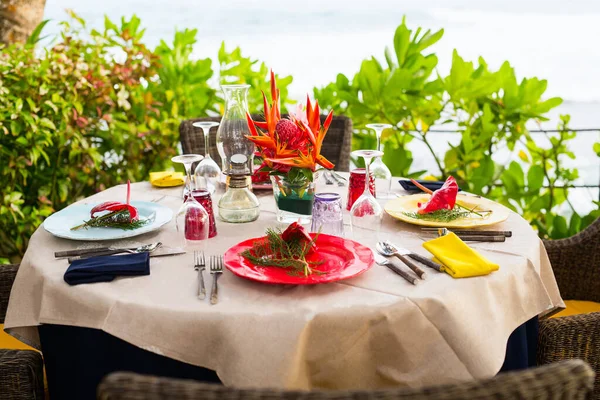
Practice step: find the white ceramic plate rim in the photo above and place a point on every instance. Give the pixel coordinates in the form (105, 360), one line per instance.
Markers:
(55, 224)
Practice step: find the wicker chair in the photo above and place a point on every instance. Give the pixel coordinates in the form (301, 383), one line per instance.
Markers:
(567, 380)
(576, 265)
(21, 371)
(336, 146)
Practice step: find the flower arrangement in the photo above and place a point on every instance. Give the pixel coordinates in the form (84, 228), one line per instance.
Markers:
(290, 149)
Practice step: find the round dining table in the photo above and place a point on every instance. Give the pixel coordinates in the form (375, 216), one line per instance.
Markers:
(374, 330)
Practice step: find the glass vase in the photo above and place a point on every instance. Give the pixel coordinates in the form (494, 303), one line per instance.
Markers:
(294, 201)
(231, 135)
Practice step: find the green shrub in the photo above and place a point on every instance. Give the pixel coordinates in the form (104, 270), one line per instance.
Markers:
(489, 109)
(95, 109)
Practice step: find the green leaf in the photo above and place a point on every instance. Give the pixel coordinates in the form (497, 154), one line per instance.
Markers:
(401, 42)
(559, 228)
(482, 175)
(34, 38)
(535, 178)
(574, 224)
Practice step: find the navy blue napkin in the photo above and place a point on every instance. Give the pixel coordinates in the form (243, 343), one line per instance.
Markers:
(411, 187)
(107, 268)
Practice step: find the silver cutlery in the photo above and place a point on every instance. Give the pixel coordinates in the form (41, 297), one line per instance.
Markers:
(81, 252)
(473, 236)
(380, 260)
(216, 269)
(415, 256)
(385, 249)
(94, 250)
(149, 248)
(327, 178)
(466, 232)
(337, 178)
(200, 266)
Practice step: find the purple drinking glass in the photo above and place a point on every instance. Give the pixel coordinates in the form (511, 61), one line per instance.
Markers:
(327, 214)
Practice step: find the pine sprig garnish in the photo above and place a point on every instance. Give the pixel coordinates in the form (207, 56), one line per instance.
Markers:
(445, 215)
(116, 219)
(273, 251)
(439, 215)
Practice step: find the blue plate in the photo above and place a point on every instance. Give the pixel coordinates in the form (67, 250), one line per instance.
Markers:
(60, 223)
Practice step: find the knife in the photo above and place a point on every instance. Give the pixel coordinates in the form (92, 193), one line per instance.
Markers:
(419, 258)
(81, 252)
(161, 252)
(467, 232)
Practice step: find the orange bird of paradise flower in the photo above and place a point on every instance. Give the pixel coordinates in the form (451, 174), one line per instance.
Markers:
(277, 151)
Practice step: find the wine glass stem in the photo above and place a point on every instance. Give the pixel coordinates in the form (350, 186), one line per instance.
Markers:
(367, 176)
(188, 181)
(206, 132)
(378, 135)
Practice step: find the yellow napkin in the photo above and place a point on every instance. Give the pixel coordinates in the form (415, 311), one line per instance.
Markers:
(166, 178)
(458, 259)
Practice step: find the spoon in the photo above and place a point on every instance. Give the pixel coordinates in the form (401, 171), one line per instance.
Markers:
(380, 260)
(147, 248)
(385, 250)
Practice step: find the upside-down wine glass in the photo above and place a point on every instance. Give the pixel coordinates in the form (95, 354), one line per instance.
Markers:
(207, 170)
(381, 173)
(192, 221)
(366, 212)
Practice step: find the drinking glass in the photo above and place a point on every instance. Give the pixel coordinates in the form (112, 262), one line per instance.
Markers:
(192, 221)
(382, 174)
(327, 214)
(207, 170)
(203, 197)
(366, 213)
(356, 186)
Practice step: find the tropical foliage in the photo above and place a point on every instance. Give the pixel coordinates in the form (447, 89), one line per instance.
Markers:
(95, 109)
(490, 110)
(98, 107)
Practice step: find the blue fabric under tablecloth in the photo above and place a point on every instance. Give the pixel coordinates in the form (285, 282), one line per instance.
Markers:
(68, 348)
(521, 348)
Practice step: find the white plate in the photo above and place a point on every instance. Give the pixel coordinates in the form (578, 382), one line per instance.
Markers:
(60, 223)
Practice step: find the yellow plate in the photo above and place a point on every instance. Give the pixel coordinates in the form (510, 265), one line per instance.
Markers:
(397, 207)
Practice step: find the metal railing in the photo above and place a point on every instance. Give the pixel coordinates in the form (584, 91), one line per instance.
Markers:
(584, 130)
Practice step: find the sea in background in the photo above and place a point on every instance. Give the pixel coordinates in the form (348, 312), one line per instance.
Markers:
(313, 40)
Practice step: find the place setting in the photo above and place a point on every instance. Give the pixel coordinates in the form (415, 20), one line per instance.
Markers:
(310, 244)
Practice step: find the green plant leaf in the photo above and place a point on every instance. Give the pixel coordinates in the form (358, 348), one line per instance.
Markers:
(535, 178)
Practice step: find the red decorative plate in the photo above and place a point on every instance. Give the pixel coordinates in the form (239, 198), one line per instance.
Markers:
(342, 259)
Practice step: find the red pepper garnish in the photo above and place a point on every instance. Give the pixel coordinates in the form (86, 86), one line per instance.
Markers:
(442, 199)
(117, 206)
(295, 230)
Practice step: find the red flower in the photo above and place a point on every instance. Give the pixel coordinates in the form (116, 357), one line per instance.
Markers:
(289, 133)
(260, 176)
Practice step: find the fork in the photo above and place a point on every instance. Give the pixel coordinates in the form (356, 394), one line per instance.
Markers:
(216, 269)
(337, 178)
(328, 180)
(200, 266)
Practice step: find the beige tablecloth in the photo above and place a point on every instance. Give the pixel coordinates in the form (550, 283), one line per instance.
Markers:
(375, 330)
